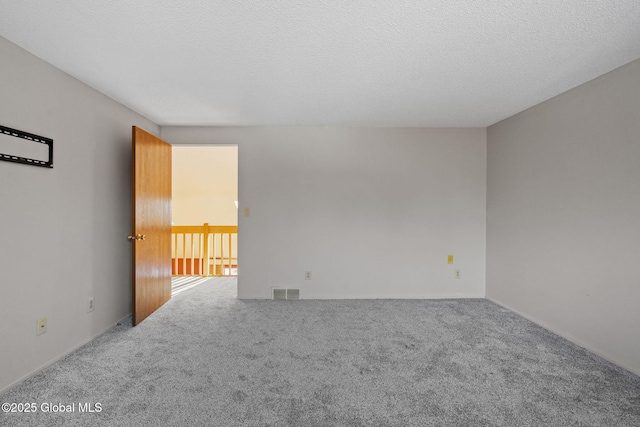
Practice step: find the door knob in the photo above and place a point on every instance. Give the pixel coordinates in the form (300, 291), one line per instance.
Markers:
(137, 237)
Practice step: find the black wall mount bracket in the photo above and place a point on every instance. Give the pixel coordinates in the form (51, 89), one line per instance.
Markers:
(48, 163)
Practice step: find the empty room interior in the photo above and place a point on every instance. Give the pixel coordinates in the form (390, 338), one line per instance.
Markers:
(398, 155)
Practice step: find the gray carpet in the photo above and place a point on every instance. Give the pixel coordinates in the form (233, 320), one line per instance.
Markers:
(183, 283)
(207, 359)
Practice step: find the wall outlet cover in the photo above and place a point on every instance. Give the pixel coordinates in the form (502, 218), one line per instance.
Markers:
(41, 326)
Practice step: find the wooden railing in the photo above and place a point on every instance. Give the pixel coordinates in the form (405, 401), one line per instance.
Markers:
(204, 250)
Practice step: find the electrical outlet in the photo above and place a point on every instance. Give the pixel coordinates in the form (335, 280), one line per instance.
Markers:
(42, 326)
(247, 212)
(91, 304)
(307, 275)
(458, 276)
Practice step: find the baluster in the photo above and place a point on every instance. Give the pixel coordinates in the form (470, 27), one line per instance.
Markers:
(206, 250)
(230, 254)
(174, 242)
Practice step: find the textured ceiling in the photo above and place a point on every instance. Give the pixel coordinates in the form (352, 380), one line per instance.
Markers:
(437, 63)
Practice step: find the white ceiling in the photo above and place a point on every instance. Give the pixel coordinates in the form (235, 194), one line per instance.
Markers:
(437, 63)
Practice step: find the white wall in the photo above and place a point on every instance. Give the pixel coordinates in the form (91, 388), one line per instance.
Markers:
(372, 213)
(64, 229)
(563, 215)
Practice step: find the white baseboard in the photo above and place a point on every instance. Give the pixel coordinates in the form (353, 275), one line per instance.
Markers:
(568, 337)
(57, 358)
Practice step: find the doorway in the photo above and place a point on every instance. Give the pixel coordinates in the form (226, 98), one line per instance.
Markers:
(204, 211)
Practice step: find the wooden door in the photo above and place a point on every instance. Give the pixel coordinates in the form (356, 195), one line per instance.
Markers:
(151, 224)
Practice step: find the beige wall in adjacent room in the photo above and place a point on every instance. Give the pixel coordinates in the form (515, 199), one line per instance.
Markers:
(64, 230)
(372, 213)
(205, 185)
(563, 215)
